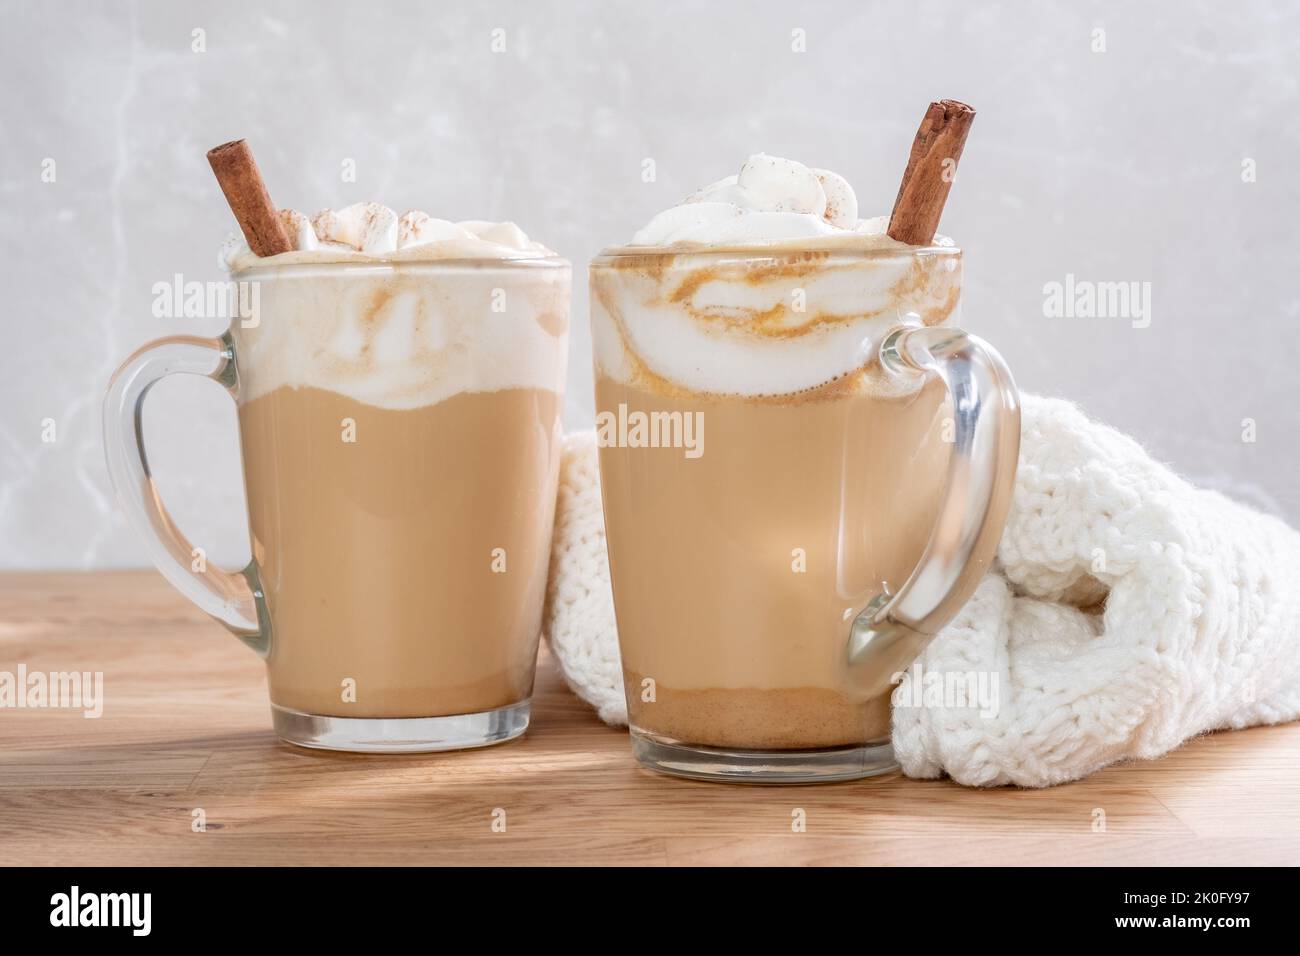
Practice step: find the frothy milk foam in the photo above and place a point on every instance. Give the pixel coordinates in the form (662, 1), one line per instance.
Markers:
(760, 302)
(400, 393)
(790, 325)
(408, 343)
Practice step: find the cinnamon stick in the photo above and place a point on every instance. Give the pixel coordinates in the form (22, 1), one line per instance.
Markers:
(242, 184)
(929, 175)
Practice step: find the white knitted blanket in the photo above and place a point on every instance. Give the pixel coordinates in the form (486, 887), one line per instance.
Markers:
(1128, 612)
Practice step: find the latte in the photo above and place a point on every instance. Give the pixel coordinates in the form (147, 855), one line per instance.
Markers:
(757, 309)
(400, 423)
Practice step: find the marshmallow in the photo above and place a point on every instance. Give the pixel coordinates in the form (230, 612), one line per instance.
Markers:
(502, 233)
(417, 228)
(782, 185)
(372, 231)
(770, 200)
(300, 230)
(841, 203)
(365, 226)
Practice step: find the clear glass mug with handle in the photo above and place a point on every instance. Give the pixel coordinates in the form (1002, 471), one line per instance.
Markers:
(400, 428)
(805, 471)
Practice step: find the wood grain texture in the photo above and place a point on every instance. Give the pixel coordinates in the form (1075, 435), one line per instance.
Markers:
(186, 726)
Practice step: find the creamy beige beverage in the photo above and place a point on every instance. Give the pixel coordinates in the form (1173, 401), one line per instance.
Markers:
(399, 403)
(747, 320)
(749, 649)
(384, 552)
(399, 384)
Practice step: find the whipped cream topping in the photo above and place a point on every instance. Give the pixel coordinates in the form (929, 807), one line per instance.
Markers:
(695, 326)
(771, 321)
(771, 200)
(371, 231)
(393, 338)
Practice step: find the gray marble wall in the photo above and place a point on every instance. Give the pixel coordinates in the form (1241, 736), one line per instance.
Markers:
(1162, 149)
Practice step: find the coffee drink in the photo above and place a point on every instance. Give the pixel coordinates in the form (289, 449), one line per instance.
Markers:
(740, 622)
(399, 386)
(754, 311)
(384, 575)
(400, 426)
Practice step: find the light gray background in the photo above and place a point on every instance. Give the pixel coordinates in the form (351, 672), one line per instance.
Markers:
(1123, 165)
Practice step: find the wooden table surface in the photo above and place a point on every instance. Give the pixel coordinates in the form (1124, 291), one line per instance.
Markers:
(186, 727)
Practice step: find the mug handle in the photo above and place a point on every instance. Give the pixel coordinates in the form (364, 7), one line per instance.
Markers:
(233, 598)
(894, 629)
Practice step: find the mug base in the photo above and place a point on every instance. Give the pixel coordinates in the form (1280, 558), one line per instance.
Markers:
(401, 735)
(720, 765)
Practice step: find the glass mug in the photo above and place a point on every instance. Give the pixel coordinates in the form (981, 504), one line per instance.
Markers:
(400, 428)
(805, 472)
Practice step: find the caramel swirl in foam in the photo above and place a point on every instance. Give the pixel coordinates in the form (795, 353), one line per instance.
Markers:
(765, 284)
(401, 311)
(405, 335)
(771, 325)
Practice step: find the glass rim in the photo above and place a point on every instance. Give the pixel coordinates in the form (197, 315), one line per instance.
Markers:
(773, 251)
(264, 268)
